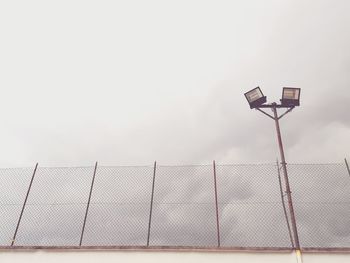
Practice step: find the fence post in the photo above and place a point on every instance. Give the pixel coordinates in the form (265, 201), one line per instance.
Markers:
(347, 166)
(88, 205)
(151, 207)
(216, 205)
(24, 205)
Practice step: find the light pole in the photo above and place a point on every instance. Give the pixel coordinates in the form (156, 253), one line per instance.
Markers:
(290, 99)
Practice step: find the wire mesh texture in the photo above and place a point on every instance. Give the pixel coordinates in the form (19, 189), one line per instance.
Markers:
(199, 206)
(184, 207)
(119, 208)
(321, 198)
(55, 209)
(250, 206)
(13, 188)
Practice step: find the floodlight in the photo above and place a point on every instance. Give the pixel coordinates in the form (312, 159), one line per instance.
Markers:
(255, 97)
(290, 97)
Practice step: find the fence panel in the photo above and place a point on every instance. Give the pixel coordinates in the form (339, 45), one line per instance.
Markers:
(55, 208)
(14, 184)
(184, 207)
(321, 197)
(250, 207)
(119, 208)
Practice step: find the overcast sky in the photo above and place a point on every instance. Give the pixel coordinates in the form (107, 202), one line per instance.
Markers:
(130, 82)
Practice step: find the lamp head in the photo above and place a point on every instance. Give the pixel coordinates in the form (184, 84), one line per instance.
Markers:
(290, 97)
(255, 97)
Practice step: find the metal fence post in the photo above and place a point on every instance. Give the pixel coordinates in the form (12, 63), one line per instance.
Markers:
(88, 205)
(347, 166)
(151, 207)
(216, 205)
(24, 205)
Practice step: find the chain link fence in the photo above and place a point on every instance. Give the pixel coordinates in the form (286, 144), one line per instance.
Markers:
(321, 197)
(199, 206)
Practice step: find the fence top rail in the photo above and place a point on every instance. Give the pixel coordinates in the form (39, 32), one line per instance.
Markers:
(165, 165)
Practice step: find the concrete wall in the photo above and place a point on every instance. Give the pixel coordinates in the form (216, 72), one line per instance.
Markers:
(10, 256)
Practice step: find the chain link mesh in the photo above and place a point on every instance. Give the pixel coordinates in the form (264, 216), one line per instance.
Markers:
(55, 208)
(119, 208)
(251, 212)
(13, 189)
(321, 197)
(184, 207)
(250, 208)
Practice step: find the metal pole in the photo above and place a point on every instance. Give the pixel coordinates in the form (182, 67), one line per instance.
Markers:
(24, 205)
(347, 166)
(284, 166)
(151, 208)
(216, 205)
(88, 205)
(283, 204)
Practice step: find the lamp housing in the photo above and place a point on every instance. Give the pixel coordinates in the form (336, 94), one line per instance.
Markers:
(255, 97)
(290, 97)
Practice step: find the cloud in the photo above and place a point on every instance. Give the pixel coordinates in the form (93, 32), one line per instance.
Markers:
(130, 83)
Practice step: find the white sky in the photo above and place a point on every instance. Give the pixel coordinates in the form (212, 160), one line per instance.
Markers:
(130, 82)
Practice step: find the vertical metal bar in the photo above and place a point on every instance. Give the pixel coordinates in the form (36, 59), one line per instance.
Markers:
(347, 166)
(284, 166)
(24, 205)
(284, 205)
(87, 206)
(216, 205)
(151, 207)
